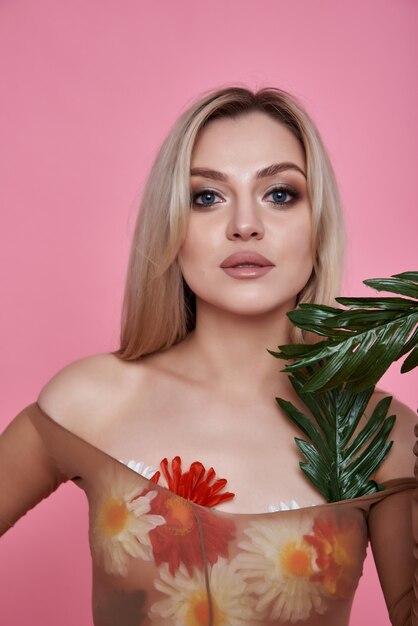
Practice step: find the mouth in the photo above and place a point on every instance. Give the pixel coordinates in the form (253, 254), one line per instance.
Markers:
(246, 265)
(246, 259)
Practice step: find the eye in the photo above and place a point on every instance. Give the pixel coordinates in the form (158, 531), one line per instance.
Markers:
(205, 198)
(282, 195)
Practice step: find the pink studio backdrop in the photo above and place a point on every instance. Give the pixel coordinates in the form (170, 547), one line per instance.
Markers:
(89, 91)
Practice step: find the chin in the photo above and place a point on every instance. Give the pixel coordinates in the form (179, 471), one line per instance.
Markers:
(256, 307)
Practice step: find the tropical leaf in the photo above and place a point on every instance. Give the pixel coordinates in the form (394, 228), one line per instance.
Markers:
(340, 457)
(392, 304)
(411, 343)
(411, 361)
(335, 379)
(405, 284)
(359, 342)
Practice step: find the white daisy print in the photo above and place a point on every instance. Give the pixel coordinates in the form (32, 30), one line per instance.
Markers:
(187, 600)
(147, 471)
(121, 525)
(277, 564)
(283, 506)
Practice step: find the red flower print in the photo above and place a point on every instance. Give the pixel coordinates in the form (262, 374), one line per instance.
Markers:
(339, 544)
(189, 535)
(196, 484)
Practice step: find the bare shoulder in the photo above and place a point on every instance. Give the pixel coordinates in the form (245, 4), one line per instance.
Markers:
(400, 460)
(87, 392)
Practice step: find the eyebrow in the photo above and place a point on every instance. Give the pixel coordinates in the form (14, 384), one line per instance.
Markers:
(271, 170)
(276, 168)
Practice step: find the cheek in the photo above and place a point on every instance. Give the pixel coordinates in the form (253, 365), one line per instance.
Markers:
(192, 254)
(303, 244)
(297, 242)
(188, 250)
(200, 245)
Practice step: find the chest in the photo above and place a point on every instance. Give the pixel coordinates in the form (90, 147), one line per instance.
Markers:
(161, 557)
(252, 447)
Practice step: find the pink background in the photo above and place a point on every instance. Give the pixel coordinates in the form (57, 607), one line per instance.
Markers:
(89, 91)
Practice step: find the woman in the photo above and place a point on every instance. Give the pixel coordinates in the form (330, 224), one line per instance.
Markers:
(239, 223)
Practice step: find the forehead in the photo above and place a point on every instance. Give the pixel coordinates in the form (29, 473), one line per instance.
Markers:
(251, 140)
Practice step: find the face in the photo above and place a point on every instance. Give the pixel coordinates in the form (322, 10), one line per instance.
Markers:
(248, 243)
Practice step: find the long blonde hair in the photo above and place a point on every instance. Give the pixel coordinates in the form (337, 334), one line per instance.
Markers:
(158, 309)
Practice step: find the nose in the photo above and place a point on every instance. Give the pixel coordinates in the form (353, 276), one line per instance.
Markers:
(245, 222)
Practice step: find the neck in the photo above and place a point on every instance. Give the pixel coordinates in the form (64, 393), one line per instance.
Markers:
(231, 349)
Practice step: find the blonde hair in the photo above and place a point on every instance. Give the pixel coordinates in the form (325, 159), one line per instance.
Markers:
(158, 307)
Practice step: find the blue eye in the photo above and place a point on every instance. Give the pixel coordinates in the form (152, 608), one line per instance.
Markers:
(279, 195)
(205, 198)
(283, 195)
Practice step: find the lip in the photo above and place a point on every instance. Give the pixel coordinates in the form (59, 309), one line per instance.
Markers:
(246, 258)
(246, 265)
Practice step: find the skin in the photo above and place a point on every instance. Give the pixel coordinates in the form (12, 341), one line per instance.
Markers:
(212, 397)
(222, 372)
(244, 218)
(246, 214)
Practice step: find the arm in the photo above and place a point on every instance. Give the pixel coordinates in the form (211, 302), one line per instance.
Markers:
(27, 472)
(393, 526)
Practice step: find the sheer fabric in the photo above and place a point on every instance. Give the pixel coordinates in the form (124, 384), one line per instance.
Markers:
(160, 560)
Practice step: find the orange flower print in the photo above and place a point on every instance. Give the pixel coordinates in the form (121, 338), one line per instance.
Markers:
(340, 547)
(196, 484)
(184, 530)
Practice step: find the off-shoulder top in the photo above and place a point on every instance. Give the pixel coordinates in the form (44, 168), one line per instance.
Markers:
(159, 559)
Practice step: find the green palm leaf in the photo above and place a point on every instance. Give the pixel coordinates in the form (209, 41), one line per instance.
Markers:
(335, 379)
(360, 342)
(411, 361)
(338, 460)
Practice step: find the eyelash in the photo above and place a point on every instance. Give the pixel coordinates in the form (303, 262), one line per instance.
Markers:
(292, 193)
(202, 192)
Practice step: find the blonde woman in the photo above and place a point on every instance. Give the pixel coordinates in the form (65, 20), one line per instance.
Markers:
(199, 513)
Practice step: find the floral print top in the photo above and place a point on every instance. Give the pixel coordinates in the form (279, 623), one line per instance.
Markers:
(161, 559)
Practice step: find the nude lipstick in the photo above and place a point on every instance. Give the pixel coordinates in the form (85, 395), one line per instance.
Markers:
(246, 265)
